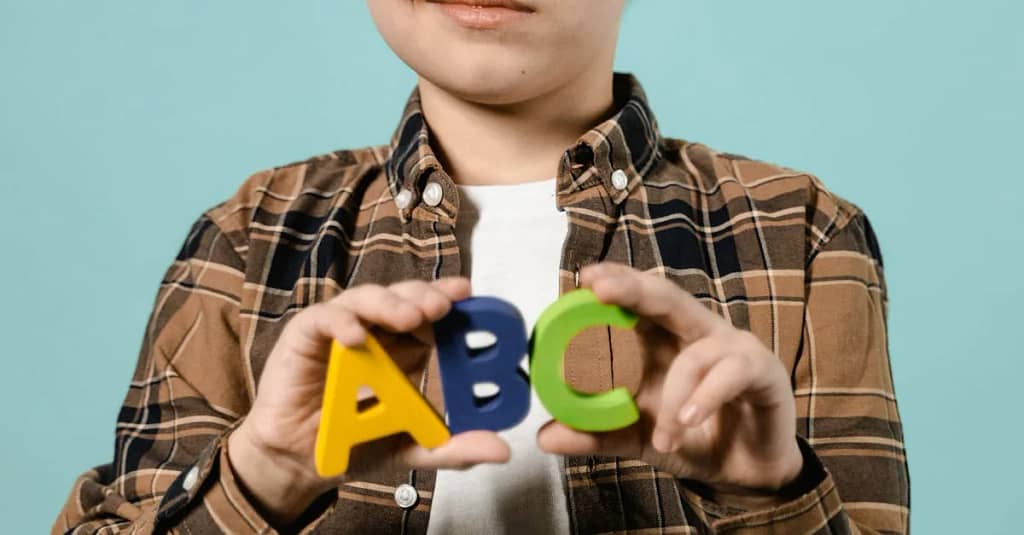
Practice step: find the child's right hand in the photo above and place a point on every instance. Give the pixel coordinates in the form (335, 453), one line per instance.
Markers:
(271, 452)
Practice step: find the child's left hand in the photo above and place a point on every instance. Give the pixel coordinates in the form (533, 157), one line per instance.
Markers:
(716, 405)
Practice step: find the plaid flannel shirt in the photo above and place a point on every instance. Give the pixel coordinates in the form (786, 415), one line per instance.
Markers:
(768, 248)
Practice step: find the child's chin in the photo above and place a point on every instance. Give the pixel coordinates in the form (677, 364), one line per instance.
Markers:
(492, 84)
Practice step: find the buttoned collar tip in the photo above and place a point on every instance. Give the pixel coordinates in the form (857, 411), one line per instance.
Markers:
(415, 176)
(615, 155)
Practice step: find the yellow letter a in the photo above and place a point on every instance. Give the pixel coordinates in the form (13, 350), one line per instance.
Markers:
(400, 406)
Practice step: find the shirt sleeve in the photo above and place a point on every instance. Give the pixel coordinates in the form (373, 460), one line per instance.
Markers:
(851, 436)
(189, 390)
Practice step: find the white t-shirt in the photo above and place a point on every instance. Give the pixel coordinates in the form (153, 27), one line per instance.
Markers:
(510, 238)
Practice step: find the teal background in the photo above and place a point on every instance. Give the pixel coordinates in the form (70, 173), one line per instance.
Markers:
(120, 121)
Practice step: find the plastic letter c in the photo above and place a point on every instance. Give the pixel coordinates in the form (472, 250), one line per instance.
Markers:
(556, 327)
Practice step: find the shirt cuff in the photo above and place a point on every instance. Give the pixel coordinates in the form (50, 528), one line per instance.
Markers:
(208, 498)
(813, 503)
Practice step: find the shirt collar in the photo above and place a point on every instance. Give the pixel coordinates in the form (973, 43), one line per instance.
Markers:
(626, 142)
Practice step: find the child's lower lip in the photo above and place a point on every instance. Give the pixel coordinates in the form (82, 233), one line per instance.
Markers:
(482, 18)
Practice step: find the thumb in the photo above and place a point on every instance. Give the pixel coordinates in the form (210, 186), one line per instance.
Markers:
(462, 450)
(555, 437)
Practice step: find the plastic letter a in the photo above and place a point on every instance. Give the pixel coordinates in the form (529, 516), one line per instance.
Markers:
(400, 406)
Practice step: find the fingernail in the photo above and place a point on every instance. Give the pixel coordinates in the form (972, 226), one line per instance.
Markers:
(661, 440)
(688, 416)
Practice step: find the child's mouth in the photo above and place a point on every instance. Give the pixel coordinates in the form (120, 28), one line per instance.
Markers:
(483, 14)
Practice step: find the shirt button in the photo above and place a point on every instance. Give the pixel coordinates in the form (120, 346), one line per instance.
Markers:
(432, 194)
(403, 199)
(619, 179)
(190, 479)
(406, 496)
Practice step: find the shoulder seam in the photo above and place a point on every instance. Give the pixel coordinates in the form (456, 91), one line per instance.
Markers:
(261, 181)
(221, 233)
(846, 213)
(335, 154)
(235, 247)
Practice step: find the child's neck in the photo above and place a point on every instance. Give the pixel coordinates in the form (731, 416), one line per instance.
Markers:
(513, 143)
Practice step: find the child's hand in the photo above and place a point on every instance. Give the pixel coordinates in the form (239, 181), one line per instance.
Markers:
(272, 450)
(715, 404)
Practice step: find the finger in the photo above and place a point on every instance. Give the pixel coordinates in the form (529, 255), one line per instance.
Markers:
(724, 382)
(341, 318)
(312, 330)
(432, 302)
(342, 325)
(379, 306)
(454, 288)
(653, 297)
(434, 299)
(557, 438)
(461, 451)
(681, 380)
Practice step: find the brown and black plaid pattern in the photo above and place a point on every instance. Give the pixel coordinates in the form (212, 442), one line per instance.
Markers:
(769, 248)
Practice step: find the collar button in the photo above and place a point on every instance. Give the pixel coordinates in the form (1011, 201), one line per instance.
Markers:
(619, 179)
(433, 194)
(403, 199)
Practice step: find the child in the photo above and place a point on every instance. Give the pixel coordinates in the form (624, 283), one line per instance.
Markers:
(525, 168)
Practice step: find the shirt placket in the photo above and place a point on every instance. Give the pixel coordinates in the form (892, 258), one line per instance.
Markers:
(428, 204)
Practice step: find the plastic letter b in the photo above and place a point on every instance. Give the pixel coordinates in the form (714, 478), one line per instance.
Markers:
(498, 364)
